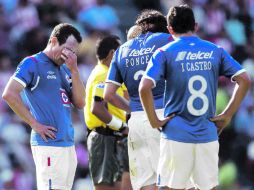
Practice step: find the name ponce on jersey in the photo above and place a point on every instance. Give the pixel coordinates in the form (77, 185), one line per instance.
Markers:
(201, 60)
(141, 56)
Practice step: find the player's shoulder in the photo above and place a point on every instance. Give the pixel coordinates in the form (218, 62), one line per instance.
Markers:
(170, 46)
(129, 43)
(158, 36)
(124, 50)
(122, 47)
(29, 62)
(209, 44)
(217, 49)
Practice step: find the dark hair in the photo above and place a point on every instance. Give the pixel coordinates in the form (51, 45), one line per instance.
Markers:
(181, 19)
(63, 31)
(152, 21)
(104, 45)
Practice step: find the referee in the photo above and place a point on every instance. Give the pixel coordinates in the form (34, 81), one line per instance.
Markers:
(106, 123)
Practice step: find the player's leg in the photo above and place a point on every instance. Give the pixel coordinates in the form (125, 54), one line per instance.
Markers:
(107, 187)
(167, 188)
(72, 166)
(143, 150)
(206, 165)
(126, 181)
(175, 165)
(150, 187)
(52, 167)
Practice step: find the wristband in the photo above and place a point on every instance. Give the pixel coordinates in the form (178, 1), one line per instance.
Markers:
(115, 123)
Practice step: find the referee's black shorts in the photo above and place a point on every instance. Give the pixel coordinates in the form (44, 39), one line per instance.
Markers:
(104, 165)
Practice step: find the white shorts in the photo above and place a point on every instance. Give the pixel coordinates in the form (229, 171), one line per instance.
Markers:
(143, 150)
(55, 167)
(181, 161)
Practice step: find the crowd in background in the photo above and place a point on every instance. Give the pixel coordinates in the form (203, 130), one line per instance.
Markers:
(24, 30)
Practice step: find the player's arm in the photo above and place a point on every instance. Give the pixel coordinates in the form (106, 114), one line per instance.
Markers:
(154, 72)
(241, 87)
(146, 96)
(113, 82)
(78, 88)
(12, 96)
(111, 96)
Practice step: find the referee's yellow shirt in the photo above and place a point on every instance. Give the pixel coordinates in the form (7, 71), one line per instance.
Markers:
(95, 87)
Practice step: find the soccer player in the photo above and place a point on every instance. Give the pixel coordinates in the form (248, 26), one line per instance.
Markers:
(128, 65)
(51, 83)
(106, 122)
(191, 67)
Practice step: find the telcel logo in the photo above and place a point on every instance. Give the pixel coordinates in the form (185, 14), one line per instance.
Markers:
(142, 51)
(193, 56)
(199, 55)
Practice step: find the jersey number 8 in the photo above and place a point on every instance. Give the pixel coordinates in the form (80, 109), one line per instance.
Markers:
(197, 94)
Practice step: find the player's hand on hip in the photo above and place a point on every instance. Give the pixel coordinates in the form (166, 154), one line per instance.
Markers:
(161, 123)
(70, 59)
(221, 121)
(45, 131)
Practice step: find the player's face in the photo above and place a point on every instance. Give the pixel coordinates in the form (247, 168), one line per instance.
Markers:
(71, 44)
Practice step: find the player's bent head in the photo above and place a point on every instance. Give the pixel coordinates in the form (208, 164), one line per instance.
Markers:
(63, 30)
(133, 32)
(105, 45)
(152, 21)
(181, 19)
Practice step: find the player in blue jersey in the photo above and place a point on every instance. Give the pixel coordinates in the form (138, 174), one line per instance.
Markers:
(191, 67)
(128, 65)
(51, 83)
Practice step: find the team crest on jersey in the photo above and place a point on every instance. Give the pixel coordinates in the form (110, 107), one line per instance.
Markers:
(64, 97)
(68, 78)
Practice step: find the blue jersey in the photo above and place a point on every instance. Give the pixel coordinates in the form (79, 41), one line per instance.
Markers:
(47, 94)
(191, 67)
(129, 64)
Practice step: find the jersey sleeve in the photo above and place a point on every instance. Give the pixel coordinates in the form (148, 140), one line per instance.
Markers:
(114, 74)
(26, 73)
(98, 90)
(156, 67)
(229, 66)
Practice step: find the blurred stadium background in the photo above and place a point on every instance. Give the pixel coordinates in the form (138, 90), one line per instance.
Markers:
(24, 30)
